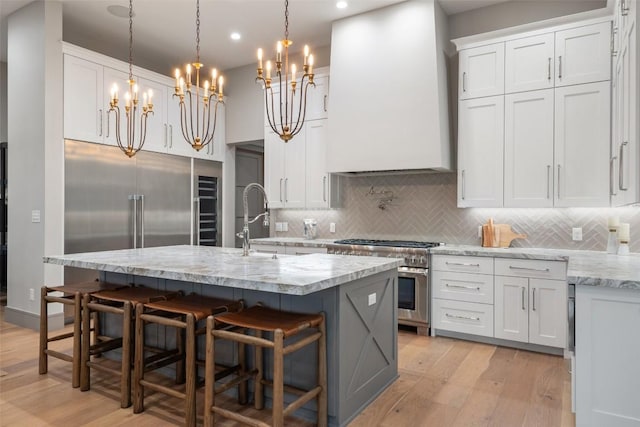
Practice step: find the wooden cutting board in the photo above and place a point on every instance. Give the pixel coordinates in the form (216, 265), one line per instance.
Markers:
(507, 235)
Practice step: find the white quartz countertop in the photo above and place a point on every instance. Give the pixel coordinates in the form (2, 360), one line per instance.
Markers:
(589, 268)
(293, 275)
(293, 241)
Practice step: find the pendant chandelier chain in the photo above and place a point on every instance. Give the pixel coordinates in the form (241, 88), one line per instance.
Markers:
(286, 20)
(130, 39)
(198, 31)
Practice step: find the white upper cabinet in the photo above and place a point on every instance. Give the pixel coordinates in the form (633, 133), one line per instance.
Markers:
(481, 71)
(120, 79)
(583, 54)
(156, 139)
(480, 152)
(528, 149)
(529, 63)
(84, 109)
(582, 145)
(274, 168)
(318, 99)
(284, 173)
(317, 178)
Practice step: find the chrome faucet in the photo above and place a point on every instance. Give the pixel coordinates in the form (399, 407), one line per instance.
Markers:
(244, 234)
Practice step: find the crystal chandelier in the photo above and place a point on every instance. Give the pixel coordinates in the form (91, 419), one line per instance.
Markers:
(197, 126)
(136, 133)
(287, 123)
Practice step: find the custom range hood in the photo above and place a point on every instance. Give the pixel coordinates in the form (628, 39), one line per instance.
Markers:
(388, 93)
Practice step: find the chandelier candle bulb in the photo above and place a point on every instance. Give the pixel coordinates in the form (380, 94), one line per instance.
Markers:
(306, 54)
(260, 58)
(268, 70)
(279, 52)
(177, 74)
(220, 82)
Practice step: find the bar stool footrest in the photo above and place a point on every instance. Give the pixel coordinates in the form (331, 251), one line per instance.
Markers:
(237, 417)
(163, 389)
(59, 355)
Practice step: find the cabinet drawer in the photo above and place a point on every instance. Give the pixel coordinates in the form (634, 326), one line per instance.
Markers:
(556, 270)
(462, 264)
(465, 317)
(462, 286)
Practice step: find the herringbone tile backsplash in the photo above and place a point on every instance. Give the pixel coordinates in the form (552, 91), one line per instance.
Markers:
(424, 208)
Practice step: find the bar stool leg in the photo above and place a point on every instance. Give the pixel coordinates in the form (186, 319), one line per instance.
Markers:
(209, 390)
(242, 387)
(278, 378)
(192, 372)
(125, 378)
(77, 328)
(86, 335)
(44, 330)
(258, 386)
(322, 375)
(180, 366)
(138, 369)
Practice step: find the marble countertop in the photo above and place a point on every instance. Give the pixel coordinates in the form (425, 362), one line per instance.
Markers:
(589, 268)
(293, 241)
(287, 274)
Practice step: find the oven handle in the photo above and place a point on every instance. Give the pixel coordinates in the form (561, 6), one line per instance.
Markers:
(413, 271)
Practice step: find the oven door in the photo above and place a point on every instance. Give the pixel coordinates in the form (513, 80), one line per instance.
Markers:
(413, 297)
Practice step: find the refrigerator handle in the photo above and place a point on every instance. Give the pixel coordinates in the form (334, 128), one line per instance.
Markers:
(197, 226)
(134, 197)
(141, 196)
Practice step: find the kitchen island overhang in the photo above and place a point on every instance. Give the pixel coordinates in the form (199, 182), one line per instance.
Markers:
(357, 294)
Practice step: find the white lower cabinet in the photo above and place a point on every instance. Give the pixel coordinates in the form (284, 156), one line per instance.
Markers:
(511, 299)
(465, 317)
(531, 310)
(607, 371)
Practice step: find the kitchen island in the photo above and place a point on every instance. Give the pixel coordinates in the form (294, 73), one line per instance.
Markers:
(357, 294)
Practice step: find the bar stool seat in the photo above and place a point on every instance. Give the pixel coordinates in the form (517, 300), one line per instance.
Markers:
(72, 294)
(183, 313)
(282, 325)
(121, 302)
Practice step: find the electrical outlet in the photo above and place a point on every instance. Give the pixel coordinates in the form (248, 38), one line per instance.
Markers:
(278, 226)
(35, 216)
(332, 227)
(576, 234)
(285, 226)
(32, 294)
(480, 231)
(372, 299)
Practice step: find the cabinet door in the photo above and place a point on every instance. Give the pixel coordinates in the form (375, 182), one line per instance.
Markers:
(583, 54)
(176, 144)
(317, 178)
(84, 109)
(219, 146)
(511, 308)
(481, 71)
(318, 99)
(121, 80)
(548, 312)
(156, 139)
(294, 170)
(480, 151)
(582, 145)
(528, 149)
(274, 168)
(628, 151)
(211, 151)
(529, 63)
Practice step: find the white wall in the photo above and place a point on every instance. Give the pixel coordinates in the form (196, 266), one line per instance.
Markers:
(512, 13)
(3, 101)
(34, 70)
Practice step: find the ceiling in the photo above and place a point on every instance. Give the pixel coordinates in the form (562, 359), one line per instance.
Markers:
(164, 30)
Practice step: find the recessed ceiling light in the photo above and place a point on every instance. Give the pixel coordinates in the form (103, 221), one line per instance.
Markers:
(119, 11)
(341, 4)
(235, 36)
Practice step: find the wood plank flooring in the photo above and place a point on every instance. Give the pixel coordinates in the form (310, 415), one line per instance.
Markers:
(443, 382)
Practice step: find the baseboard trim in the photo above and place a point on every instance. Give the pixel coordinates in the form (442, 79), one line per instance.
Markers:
(497, 341)
(30, 320)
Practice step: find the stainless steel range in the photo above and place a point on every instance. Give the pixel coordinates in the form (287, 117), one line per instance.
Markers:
(413, 274)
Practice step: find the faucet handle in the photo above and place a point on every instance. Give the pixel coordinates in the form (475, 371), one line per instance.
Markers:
(240, 235)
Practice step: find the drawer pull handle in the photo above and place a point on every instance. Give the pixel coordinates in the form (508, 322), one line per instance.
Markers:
(477, 288)
(523, 291)
(454, 316)
(542, 270)
(534, 299)
(463, 264)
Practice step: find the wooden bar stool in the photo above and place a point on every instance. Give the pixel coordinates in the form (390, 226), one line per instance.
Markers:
(121, 302)
(72, 294)
(282, 325)
(182, 313)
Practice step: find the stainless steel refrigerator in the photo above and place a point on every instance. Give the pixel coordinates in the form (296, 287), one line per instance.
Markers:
(153, 199)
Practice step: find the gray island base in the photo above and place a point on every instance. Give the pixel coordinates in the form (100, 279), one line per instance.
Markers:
(357, 294)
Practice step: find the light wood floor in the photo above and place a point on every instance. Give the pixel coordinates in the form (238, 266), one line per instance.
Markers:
(443, 382)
